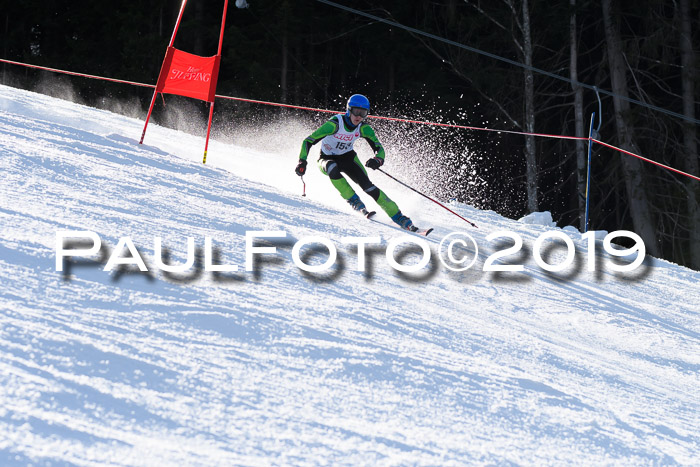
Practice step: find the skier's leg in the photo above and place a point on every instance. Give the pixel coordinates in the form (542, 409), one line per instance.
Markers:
(330, 167)
(357, 172)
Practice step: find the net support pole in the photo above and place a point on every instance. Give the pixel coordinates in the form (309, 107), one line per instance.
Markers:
(155, 91)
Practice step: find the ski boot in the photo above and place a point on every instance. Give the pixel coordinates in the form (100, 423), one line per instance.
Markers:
(404, 221)
(358, 205)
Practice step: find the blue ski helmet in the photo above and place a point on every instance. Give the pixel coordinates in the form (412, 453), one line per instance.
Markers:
(359, 101)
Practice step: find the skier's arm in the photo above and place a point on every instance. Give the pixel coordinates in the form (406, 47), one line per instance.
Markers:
(328, 128)
(367, 133)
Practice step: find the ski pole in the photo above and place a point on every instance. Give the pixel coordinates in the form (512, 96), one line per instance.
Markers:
(302, 181)
(431, 199)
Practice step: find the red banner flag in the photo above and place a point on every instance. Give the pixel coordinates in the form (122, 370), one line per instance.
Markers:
(189, 75)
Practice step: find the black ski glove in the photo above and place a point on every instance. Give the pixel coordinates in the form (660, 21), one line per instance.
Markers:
(301, 167)
(374, 163)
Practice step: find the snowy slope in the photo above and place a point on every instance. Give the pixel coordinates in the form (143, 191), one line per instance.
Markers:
(279, 366)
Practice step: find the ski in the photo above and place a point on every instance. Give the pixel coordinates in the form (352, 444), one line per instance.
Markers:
(413, 229)
(423, 232)
(368, 214)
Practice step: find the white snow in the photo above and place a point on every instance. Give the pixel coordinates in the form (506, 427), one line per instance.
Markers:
(539, 218)
(279, 366)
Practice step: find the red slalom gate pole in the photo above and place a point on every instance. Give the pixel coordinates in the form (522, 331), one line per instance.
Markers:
(148, 116)
(155, 92)
(213, 95)
(431, 199)
(206, 144)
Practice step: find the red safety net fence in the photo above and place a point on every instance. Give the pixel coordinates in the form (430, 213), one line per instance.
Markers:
(404, 120)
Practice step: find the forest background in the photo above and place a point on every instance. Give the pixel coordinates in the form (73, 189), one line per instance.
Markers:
(311, 53)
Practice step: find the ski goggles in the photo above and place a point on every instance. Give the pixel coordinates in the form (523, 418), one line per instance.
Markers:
(359, 112)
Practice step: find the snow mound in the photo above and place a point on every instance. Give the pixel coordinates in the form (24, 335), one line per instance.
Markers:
(539, 218)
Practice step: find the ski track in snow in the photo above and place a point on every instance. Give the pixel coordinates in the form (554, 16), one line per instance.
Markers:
(284, 367)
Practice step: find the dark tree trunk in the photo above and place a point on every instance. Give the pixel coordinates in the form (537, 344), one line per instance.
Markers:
(690, 131)
(581, 159)
(530, 146)
(640, 209)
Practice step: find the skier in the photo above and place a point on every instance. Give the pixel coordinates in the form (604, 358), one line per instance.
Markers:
(337, 136)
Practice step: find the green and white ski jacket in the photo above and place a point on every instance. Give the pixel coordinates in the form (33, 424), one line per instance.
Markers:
(339, 138)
